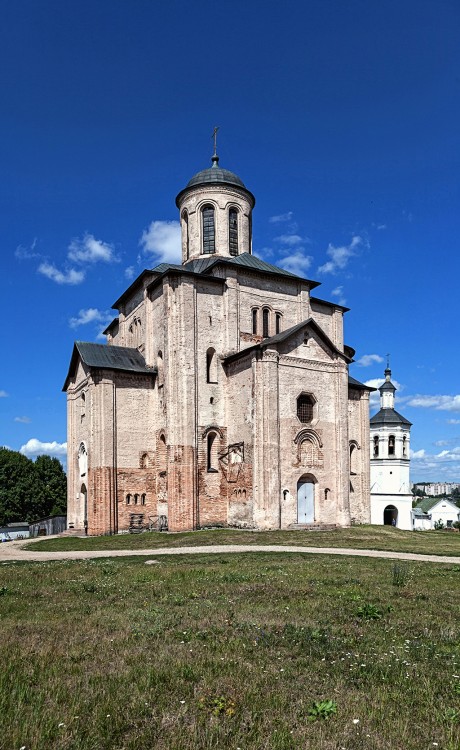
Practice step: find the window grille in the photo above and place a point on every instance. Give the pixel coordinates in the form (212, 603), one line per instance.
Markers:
(233, 231)
(305, 408)
(209, 242)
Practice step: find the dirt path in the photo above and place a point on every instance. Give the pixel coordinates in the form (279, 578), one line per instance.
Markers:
(23, 551)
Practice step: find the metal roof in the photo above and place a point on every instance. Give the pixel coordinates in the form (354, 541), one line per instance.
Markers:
(279, 337)
(353, 383)
(245, 260)
(105, 357)
(215, 175)
(428, 503)
(389, 416)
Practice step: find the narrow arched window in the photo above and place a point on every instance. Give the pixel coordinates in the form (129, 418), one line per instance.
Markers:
(352, 458)
(212, 452)
(233, 231)
(208, 227)
(376, 446)
(185, 234)
(255, 314)
(82, 406)
(128, 499)
(143, 498)
(278, 323)
(404, 446)
(391, 445)
(211, 366)
(162, 454)
(136, 499)
(265, 322)
(160, 369)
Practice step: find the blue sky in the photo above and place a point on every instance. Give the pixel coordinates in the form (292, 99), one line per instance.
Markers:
(341, 118)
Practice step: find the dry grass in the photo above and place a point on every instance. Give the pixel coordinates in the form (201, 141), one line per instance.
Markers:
(358, 537)
(229, 652)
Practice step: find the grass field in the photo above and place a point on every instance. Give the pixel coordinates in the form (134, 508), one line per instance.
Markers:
(257, 652)
(359, 537)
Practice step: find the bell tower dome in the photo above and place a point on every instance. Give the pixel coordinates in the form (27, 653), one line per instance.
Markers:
(215, 214)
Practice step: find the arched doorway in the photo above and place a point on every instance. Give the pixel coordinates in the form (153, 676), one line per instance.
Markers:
(390, 516)
(306, 500)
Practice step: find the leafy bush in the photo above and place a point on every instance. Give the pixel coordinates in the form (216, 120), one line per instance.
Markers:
(439, 524)
(369, 612)
(322, 710)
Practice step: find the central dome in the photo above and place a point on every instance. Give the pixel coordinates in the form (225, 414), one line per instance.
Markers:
(215, 174)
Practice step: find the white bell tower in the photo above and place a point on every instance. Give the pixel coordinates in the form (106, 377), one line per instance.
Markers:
(391, 497)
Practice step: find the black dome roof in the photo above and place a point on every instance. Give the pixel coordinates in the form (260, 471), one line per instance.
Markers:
(215, 175)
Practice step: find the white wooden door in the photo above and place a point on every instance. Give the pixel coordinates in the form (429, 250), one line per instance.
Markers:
(305, 502)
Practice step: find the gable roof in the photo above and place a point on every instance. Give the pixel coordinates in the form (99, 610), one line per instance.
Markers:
(353, 383)
(279, 337)
(429, 502)
(104, 357)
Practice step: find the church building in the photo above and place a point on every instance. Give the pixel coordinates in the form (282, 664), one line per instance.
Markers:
(222, 396)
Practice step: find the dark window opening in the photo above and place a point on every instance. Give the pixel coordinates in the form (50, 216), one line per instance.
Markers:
(233, 231)
(305, 409)
(277, 323)
(211, 366)
(265, 321)
(254, 320)
(376, 446)
(391, 445)
(212, 452)
(209, 241)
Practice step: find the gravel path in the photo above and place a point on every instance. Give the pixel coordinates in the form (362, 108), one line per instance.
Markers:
(23, 551)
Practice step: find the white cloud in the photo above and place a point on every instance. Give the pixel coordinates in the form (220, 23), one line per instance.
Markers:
(381, 226)
(281, 217)
(439, 403)
(3, 394)
(453, 421)
(23, 420)
(289, 239)
(71, 276)
(340, 255)
(90, 250)
(130, 273)
(417, 454)
(34, 448)
(369, 359)
(90, 315)
(297, 262)
(338, 292)
(26, 253)
(432, 466)
(162, 240)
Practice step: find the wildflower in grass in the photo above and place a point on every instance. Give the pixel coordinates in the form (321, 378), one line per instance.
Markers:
(355, 721)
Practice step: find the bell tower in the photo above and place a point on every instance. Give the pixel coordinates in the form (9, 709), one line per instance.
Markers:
(215, 214)
(391, 497)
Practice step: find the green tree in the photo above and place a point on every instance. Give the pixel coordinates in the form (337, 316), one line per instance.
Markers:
(16, 486)
(28, 490)
(52, 485)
